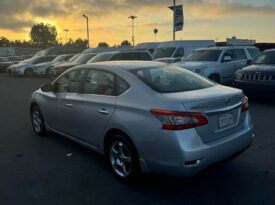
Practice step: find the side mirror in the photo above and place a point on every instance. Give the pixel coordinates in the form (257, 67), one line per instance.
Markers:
(227, 59)
(249, 61)
(47, 87)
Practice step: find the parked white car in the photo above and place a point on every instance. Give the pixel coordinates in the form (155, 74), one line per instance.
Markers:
(173, 51)
(44, 68)
(26, 67)
(219, 63)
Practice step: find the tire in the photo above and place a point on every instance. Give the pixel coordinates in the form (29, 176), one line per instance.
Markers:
(28, 72)
(215, 78)
(37, 120)
(122, 157)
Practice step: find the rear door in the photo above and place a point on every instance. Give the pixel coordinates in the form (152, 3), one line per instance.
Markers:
(95, 106)
(228, 68)
(240, 58)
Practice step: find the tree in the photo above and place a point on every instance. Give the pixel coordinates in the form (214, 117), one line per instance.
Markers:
(125, 43)
(4, 42)
(155, 32)
(81, 43)
(43, 35)
(77, 43)
(103, 44)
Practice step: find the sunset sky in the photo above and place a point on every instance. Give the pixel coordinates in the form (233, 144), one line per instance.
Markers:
(204, 19)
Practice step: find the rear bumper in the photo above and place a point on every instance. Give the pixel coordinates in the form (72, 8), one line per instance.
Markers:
(189, 155)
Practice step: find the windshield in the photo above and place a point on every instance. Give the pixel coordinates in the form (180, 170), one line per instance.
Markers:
(267, 57)
(59, 58)
(164, 52)
(101, 57)
(73, 58)
(170, 79)
(3, 59)
(83, 58)
(31, 60)
(204, 55)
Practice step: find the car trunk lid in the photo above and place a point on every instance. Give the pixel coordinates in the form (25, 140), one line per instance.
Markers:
(221, 106)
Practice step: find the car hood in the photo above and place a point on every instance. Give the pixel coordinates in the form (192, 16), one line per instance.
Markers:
(64, 65)
(259, 68)
(165, 60)
(44, 64)
(193, 65)
(22, 65)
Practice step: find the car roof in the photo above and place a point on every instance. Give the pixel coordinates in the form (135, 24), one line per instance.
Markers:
(125, 65)
(225, 47)
(134, 51)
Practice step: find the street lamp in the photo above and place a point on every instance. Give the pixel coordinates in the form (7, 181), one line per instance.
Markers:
(132, 17)
(88, 36)
(66, 30)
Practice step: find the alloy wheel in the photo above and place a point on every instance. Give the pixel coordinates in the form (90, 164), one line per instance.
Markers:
(120, 158)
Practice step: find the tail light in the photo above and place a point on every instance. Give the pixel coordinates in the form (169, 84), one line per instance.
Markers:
(245, 104)
(172, 120)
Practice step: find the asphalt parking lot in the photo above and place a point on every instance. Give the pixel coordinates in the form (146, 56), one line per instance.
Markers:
(38, 170)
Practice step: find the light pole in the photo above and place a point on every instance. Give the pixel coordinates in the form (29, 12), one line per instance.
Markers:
(155, 32)
(66, 30)
(88, 35)
(132, 17)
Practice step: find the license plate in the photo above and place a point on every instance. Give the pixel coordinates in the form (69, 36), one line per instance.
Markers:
(226, 120)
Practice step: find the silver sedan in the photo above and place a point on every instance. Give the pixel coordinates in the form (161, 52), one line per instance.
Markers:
(145, 116)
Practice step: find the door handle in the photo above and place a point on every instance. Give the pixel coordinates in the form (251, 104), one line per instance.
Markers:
(103, 111)
(69, 105)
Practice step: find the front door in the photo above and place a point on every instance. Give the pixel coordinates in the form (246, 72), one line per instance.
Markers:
(61, 103)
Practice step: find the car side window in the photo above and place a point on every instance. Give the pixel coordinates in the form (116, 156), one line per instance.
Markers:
(227, 53)
(121, 86)
(238, 54)
(179, 52)
(99, 83)
(132, 56)
(120, 56)
(70, 82)
(253, 52)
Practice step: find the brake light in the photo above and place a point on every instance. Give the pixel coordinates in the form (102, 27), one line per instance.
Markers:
(172, 120)
(245, 104)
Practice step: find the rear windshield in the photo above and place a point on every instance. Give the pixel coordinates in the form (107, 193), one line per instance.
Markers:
(267, 58)
(171, 79)
(204, 55)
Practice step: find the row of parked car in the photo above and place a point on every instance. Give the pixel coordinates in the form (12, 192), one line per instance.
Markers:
(242, 66)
